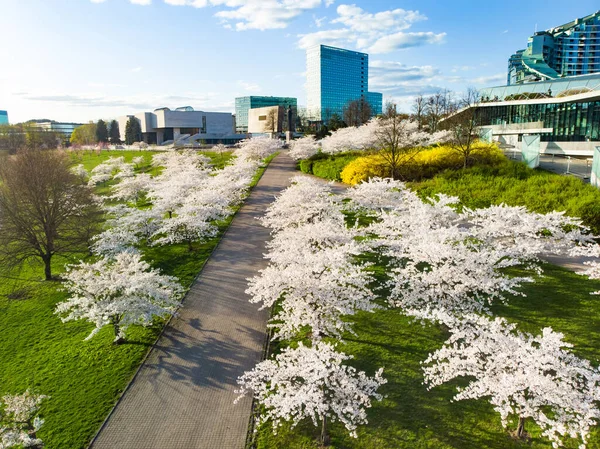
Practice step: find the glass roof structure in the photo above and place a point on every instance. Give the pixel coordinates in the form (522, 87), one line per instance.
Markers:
(551, 88)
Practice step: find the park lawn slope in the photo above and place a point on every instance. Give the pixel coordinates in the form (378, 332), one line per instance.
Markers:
(410, 417)
(83, 378)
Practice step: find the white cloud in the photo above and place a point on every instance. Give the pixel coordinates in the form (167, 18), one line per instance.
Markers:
(401, 40)
(141, 2)
(249, 87)
(336, 38)
(319, 21)
(263, 14)
(328, 3)
(136, 69)
(488, 80)
(359, 20)
(403, 82)
(127, 104)
(380, 32)
(97, 1)
(194, 3)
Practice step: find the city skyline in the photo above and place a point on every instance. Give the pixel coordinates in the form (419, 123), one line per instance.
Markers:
(84, 60)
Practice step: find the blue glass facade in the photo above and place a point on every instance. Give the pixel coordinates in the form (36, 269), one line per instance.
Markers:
(3, 118)
(336, 76)
(375, 99)
(244, 104)
(571, 49)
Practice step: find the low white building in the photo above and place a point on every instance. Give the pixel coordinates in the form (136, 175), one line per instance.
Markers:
(183, 125)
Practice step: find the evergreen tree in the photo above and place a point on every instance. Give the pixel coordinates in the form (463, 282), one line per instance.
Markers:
(133, 131)
(101, 131)
(115, 134)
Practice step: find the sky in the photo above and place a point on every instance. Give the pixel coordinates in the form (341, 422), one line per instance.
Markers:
(82, 60)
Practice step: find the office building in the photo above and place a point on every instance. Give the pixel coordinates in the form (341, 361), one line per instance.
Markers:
(64, 128)
(3, 118)
(244, 104)
(571, 49)
(565, 113)
(334, 77)
(184, 126)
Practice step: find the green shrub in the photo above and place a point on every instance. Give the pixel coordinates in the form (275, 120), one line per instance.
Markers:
(331, 167)
(515, 184)
(306, 166)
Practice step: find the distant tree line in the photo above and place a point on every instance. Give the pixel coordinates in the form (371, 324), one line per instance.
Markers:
(99, 132)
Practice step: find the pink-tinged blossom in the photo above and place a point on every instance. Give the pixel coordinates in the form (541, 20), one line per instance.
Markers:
(522, 375)
(120, 291)
(312, 382)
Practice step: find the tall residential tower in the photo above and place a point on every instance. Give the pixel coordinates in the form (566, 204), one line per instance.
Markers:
(571, 49)
(3, 118)
(334, 77)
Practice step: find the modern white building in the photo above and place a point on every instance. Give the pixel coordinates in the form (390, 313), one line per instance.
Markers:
(183, 125)
(565, 113)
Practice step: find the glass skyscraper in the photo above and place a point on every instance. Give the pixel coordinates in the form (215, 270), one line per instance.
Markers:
(334, 77)
(3, 118)
(571, 49)
(244, 104)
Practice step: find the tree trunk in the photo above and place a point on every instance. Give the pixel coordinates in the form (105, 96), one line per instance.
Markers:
(190, 246)
(324, 434)
(118, 339)
(48, 267)
(521, 427)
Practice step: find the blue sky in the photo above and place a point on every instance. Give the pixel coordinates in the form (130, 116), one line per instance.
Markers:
(80, 60)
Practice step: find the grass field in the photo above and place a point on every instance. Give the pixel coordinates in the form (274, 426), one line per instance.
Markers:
(82, 378)
(410, 417)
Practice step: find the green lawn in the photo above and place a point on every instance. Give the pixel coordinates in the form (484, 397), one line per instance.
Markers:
(82, 378)
(410, 417)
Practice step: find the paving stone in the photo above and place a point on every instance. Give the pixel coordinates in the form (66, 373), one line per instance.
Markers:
(182, 397)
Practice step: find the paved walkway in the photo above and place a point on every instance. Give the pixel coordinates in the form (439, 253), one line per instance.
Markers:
(182, 397)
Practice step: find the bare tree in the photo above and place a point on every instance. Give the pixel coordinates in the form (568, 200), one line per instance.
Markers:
(438, 106)
(12, 138)
(395, 137)
(271, 122)
(45, 210)
(463, 125)
(357, 112)
(419, 109)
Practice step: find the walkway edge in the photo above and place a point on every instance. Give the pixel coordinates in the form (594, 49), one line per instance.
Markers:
(139, 368)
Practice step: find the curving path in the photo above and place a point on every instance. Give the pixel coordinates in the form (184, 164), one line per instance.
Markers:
(182, 396)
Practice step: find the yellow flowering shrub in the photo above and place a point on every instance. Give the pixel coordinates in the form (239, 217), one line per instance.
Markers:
(425, 164)
(364, 168)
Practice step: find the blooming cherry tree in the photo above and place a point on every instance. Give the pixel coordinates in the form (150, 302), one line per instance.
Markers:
(121, 291)
(314, 383)
(303, 148)
(130, 188)
(352, 138)
(19, 420)
(522, 375)
(305, 201)
(258, 148)
(80, 171)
